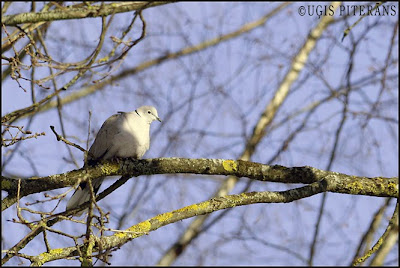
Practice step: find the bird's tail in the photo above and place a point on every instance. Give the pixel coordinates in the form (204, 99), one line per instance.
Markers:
(82, 195)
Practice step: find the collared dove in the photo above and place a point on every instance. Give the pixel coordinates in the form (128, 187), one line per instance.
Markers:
(121, 135)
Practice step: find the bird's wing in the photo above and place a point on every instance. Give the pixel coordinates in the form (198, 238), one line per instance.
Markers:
(104, 140)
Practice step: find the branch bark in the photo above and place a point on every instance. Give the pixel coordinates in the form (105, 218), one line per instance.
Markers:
(336, 182)
(68, 13)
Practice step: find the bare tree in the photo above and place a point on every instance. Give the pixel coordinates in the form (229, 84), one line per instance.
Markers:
(278, 146)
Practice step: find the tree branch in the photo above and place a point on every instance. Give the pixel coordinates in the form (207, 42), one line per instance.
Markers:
(68, 13)
(393, 224)
(209, 206)
(336, 182)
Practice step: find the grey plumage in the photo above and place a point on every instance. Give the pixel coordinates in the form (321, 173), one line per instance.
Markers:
(126, 134)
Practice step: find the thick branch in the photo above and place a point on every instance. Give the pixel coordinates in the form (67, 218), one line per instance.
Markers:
(88, 11)
(336, 182)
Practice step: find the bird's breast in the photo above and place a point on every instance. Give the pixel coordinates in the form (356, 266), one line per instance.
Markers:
(134, 139)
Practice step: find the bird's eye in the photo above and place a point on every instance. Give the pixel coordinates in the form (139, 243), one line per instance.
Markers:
(148, 112)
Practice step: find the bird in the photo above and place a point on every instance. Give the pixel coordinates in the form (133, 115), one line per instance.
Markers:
(122, 135)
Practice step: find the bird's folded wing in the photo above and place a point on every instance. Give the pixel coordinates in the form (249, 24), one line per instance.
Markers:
(105, 137)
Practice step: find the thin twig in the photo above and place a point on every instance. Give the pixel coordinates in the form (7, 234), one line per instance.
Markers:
(60, 138)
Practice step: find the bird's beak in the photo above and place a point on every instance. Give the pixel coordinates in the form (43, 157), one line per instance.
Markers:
(158, 118)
